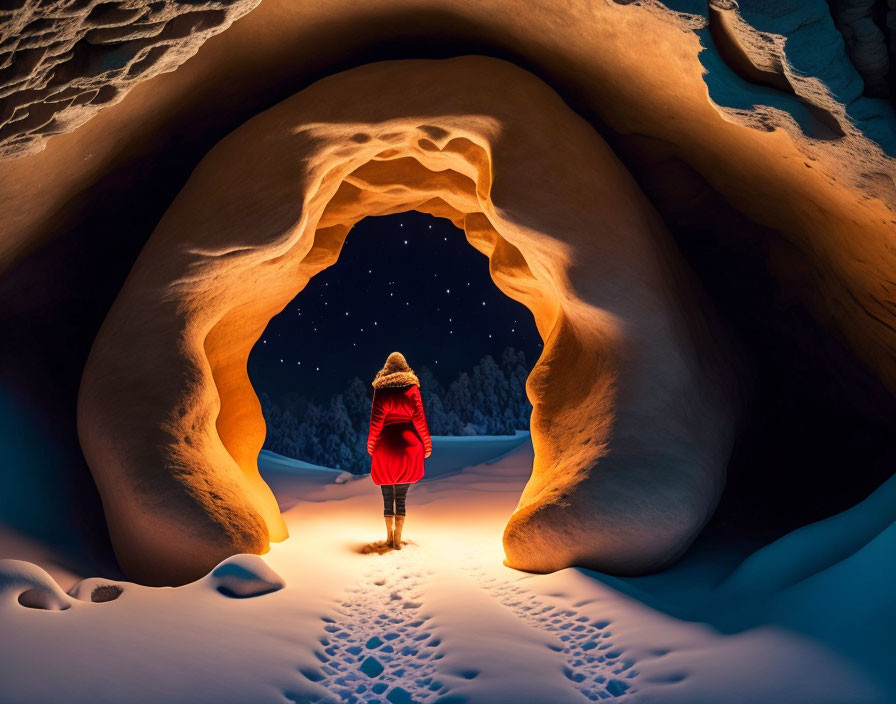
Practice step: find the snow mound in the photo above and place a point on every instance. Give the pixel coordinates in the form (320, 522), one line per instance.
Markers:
(850, 608)
(817, 547)
(30, 586)
(244, 576)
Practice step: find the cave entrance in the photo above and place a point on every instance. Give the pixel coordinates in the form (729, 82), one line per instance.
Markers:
(440, 180)
(567, 233)
(405, 282)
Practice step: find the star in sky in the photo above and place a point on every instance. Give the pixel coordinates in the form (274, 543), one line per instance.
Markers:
(424, 258)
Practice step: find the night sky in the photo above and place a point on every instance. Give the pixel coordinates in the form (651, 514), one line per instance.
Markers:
(408, 282)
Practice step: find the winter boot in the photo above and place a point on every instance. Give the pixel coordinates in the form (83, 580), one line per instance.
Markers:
(396, 537)
(389, 530)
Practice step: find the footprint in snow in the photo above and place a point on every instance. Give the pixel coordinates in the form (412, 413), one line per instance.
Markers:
(379, 648)
(596, 668)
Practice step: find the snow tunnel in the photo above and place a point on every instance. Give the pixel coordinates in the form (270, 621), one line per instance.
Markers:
(633, 396)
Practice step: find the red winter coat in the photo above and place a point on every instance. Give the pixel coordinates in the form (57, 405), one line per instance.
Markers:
(398, 438)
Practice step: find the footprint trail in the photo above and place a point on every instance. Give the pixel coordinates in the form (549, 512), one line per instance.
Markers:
(379, 648)
(594, 665)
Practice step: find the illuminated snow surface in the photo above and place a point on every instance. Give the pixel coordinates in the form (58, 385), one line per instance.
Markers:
(808, 619)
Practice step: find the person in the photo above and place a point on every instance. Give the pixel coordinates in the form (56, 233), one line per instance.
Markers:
(398, 440)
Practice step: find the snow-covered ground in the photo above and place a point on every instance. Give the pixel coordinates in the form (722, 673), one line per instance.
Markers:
(293, 480)
(809, 619)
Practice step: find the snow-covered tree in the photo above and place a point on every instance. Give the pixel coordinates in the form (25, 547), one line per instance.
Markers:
(357, 402)
(460, 396)
(429, 384)
(490, 400)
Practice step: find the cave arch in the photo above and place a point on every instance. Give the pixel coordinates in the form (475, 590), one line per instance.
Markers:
(633, 410)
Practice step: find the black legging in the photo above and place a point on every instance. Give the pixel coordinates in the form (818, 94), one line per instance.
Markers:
(394, 496)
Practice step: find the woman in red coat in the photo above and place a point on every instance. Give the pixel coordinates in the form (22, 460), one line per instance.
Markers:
(398, 440)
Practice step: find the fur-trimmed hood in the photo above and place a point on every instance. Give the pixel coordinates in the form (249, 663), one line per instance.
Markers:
(395, 372)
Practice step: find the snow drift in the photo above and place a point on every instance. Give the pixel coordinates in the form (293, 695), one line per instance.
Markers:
(444, 621)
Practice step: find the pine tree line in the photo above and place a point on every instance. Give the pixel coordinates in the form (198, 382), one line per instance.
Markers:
(490, 400)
